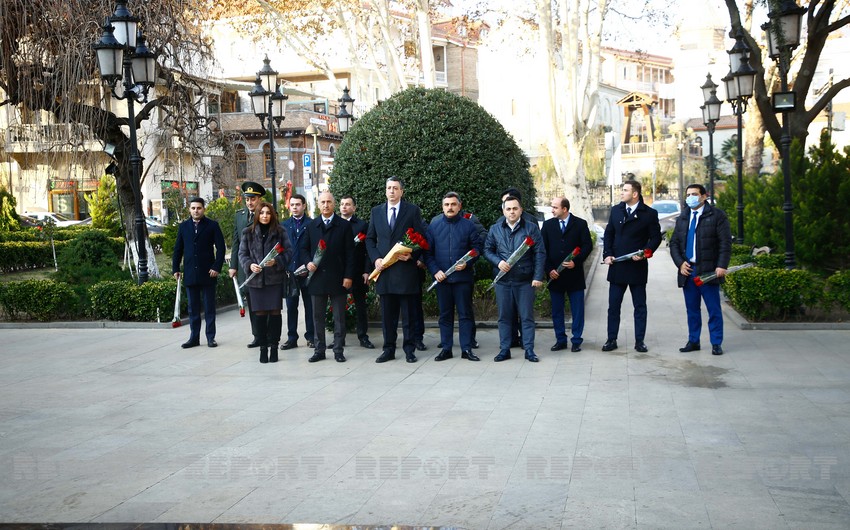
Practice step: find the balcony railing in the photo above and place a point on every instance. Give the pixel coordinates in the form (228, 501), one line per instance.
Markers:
(659, 149)
(34, 138)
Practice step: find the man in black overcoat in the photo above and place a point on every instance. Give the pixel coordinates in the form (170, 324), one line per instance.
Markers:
(562, 234)
(632, 226)
(200, 245)
(362, 268)
(332, 276)
(398, 284)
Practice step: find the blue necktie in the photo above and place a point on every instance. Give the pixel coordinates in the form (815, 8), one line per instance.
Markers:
(392, 218)
(692, 234)
(563, 226)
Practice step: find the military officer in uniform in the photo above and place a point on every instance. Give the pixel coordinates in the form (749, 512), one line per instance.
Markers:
(252, 192)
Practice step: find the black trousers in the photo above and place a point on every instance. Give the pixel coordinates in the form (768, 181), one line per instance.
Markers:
(392, 305)
(358, 292)
(616, 292)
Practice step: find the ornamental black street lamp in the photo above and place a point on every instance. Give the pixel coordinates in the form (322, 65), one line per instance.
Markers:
(268, 101)
(344, 118)
(739, 88)
(783, 36)
(710, 117)
(123, 57)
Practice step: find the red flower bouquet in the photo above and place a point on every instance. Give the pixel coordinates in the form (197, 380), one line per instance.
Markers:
(411, 241)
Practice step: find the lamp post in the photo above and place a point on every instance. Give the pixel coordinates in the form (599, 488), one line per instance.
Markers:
(739, 89)
(710, 117)
(344, 118)
(269, 102)
(783, 36)
(123, 57)
(683, 142)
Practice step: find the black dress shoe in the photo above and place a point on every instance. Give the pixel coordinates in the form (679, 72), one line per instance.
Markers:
(689, 346)
(444, 355)
(385, 356)
(420, 346)
(254, 343)
(641, 347)
(559, 346)
(366, 343)
(467, 354)
(716, 349)
(411, 358)
(316, 358)
(475, 345)
(531, 356)
(610, 345)
(339, 357)
(212, 343)
(504, 355)
(575, 347)
(288, 345)
(190, 344)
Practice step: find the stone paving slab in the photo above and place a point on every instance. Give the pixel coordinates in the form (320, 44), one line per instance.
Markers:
(120, 425)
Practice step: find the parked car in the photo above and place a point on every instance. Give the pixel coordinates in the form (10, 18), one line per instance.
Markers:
(27, 222)
(668, 211)
(50, 217)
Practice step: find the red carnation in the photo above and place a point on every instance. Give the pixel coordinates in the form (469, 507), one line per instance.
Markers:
(529, 241)
(278, 248)
(322, 244)
(361, 236)
(647, 253)
(698, 281)
(410, 231)
(467, 215)
(473, 253)
(576, 251)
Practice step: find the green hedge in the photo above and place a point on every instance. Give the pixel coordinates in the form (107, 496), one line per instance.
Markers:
(37, 299)
(838, 290)
(22, 255)
(125, 300)
(773, 294)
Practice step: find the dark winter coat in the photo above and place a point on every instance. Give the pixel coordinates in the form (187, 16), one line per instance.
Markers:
(713, 242)
(502, 242)
(338, 260)
(402, 277)
(639, 231)
(200, 253)
(559, 246)
(253, 248)
(449, 240)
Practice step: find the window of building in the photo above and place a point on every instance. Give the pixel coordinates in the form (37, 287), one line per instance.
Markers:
(241, 163)
(229, 102)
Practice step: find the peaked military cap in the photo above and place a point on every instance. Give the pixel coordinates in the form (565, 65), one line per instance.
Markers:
(252, 189)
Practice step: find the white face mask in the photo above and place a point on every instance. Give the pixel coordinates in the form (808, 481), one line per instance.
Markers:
(692, 201)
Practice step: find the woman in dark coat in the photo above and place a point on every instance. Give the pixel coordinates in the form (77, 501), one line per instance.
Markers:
(266, 288)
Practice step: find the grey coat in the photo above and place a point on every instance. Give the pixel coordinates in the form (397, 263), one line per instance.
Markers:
(253, 248)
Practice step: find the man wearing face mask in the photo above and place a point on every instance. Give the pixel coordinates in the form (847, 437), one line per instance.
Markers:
(701, 244)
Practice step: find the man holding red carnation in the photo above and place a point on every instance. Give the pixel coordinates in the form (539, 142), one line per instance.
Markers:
(362, 268)
(632, 226)
(701, 243)
(566, 236)
(515, 289)
(397, 283)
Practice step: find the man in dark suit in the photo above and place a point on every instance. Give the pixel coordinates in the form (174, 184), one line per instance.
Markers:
(702, 244)
(562, 234)
(200, 245)
(632, 226)
(252, 192)
(398, 284)
(362, 268)
(295, 227)
(332, 275)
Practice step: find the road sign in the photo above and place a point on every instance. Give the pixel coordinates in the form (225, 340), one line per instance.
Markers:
(308, 159)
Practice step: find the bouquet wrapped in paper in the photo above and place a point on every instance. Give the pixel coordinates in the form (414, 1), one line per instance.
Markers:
(317, 258)
(705, 278)
(239, 298)
(411, 241)
(175, 322)
(268, 259)
(515, 256)
(465, 259)
(576, 251)
(359, 238)
(646, 253)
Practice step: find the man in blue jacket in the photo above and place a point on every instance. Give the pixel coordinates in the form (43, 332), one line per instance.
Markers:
(200, 245)
(450, 237)
(632, 227)
(516, 287)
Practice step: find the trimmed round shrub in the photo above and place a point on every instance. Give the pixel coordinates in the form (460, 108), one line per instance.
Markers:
(38, 299)
(434, 142)
(92, 248)
(773, 294)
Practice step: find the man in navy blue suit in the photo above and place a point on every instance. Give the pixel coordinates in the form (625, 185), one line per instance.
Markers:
(200, 245)
(296, 227)
(632, 226)
(562, 234)
(398, 284)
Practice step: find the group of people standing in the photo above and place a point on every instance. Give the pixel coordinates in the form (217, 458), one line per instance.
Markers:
(334, 254)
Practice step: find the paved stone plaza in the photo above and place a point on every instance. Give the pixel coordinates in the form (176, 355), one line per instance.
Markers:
(121, 425)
